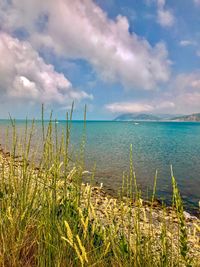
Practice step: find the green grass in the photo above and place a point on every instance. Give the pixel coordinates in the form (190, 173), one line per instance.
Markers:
(49, 218)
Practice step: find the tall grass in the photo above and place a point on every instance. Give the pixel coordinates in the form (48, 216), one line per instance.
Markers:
(48, 217)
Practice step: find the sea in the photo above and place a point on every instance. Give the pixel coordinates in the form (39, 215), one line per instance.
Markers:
(155, 147)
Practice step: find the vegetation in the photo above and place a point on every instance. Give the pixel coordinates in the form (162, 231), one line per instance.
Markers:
(48, 217)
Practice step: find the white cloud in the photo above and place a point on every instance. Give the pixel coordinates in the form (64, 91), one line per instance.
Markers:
(182, 96)
(198, 53)
(137, 107)
(197, 2)
(165, 105)
(80, 29)
(165, 17)
(187, 82)
(127, 107)
(25, 75)
(187, 43)
(185, 92)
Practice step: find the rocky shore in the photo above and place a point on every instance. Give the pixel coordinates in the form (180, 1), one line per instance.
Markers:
(151, 218)
(127, 215)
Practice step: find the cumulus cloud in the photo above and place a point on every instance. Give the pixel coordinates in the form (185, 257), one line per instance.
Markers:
(165, 17)
(25, 75)
(80, 29)
(185, 92)
(136, 107)
(187, 82)
(181, 95)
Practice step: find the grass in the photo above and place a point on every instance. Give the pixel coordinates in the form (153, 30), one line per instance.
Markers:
(48, 217)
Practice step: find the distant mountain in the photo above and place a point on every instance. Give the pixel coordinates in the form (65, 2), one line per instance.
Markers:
(137, 117)
(157, 117)
(192, 117)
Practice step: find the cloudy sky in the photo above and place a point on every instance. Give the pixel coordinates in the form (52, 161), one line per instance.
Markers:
(116, 56)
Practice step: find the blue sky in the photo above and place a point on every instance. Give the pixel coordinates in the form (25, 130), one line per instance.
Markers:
(115, 56)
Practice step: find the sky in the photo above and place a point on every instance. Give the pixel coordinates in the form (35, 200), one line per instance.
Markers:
(115, 56)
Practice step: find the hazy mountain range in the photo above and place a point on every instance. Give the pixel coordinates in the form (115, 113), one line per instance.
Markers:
(192, 117)
(157, 117)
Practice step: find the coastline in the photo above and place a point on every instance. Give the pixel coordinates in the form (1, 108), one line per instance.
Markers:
(108, 210)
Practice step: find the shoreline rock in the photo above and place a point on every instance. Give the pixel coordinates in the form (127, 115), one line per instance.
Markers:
(109, 210)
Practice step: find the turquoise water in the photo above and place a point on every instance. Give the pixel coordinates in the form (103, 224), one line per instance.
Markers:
(156, 145)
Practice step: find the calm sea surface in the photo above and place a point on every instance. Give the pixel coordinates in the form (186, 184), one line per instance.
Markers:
(156, 145)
